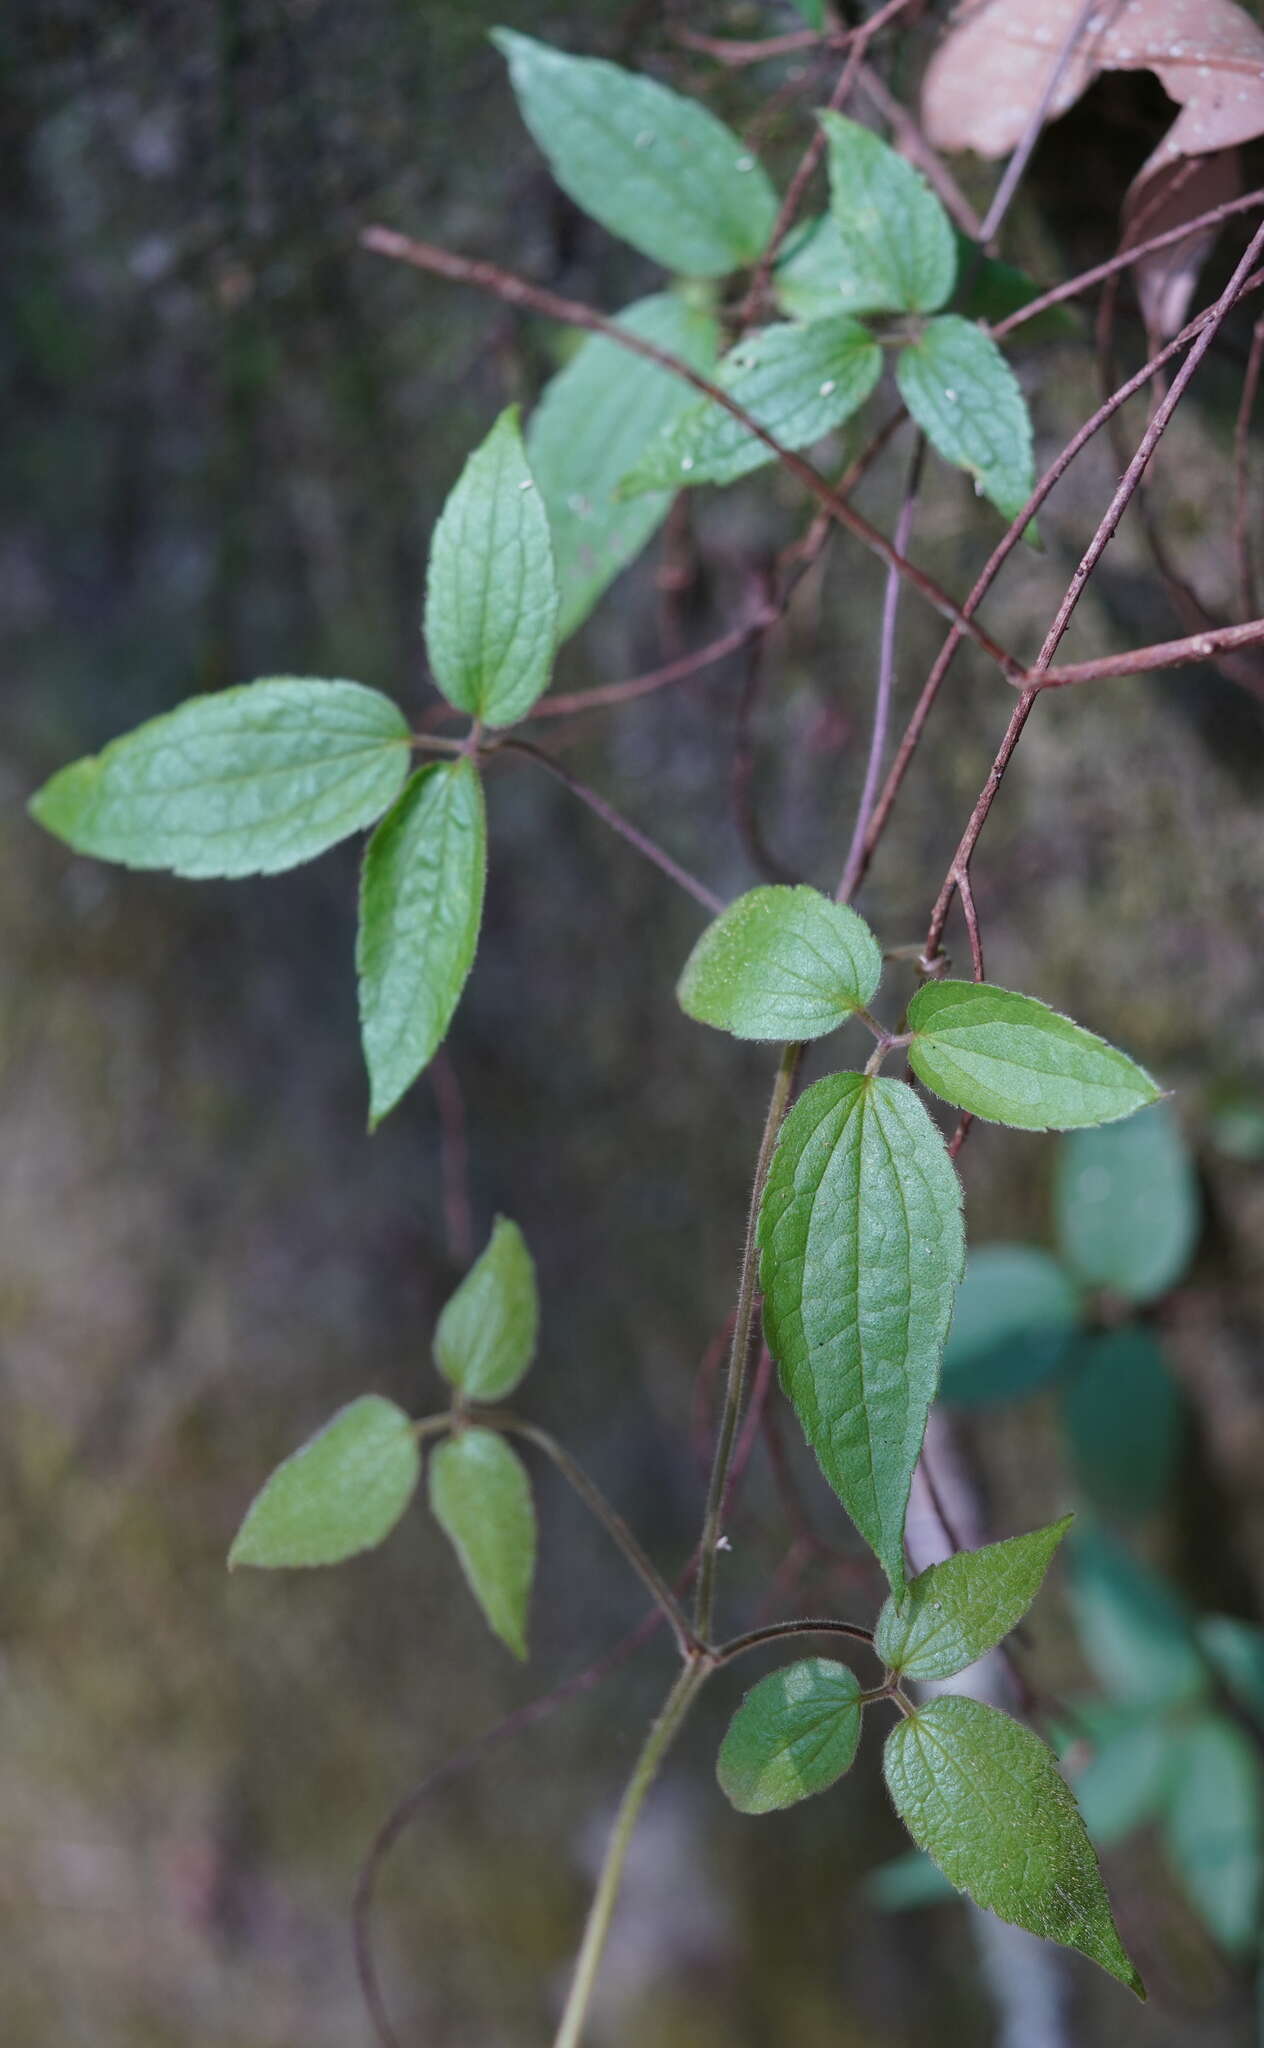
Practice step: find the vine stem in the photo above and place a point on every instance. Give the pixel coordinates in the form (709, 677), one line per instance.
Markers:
(671, 1718)
(739, 1351)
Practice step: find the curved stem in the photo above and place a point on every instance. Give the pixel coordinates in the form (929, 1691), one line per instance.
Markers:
(611, 1521)
(739, 1351)
(657, 1743)
(775, 1630)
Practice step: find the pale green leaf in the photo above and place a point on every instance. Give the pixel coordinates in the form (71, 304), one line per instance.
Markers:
(1136, 1633)
(1122, 1415)
(1235, 1651)
(657, 169)
(421, 902)
(798, 382)
(491, 589)
(950, 1614)
(1127, 1206)
(481, 1498)
(983, 1796)
(485, 1339)
(1016, 1315)
(594, 418)
(1214, 1829)
(794, 1734)
(781, 963)
(341, 1492)
(968, 403)
(1124, 1782)
(1010, 1058)
(861, 1251)
(247, 782)
(896, 241)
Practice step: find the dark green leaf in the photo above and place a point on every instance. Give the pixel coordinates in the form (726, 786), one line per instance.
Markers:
(967, 401)
(950, 1614)
(421, 902)
(1214, 1829)
(781, 963)
(491, 591)
(652, 167)
(592, 422)
(1136, 1633)
(485, 1338)
(481, 1498)
(798, 382)
(896, 240)
(794, 1734)
(1123, 1419)
(341, 1492)
(1235, 1651)
(862, 1248)
(1012, 1059)
(1016, 1315)
(983, 1796)
(1127, 1206)
(247, 782)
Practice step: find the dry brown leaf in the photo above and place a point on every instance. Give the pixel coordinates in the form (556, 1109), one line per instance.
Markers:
(989, 75)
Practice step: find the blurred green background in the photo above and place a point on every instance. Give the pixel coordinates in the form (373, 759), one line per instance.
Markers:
(228, 433)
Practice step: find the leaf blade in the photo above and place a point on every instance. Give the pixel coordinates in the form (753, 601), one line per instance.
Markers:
(485, 1338)
(340, 1493)
(969, 404)
(953, 1612)
(481, 1498)
(795, 1734)
(1015, 1061)
(781, 963)
(983, 1796)
(250, 781)
(421, 904)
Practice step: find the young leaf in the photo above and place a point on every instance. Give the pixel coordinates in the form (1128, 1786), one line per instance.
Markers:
(1235, 1651)
(247, 782)
(1213, 1827)
(1122, 1414)
(898, 251)
(421, 902)
(781, 963)
(1010, 1058)
(485, 1339)
(1015, 1317)
(592, 422)
(1126, 1205)
(862, 1248)
(983, 1796)
(794, 1734)
(482, 1501)
(1135, 1632)
(652, 167)
(967, 401)
(950, 1614)
(491, 590)
(1125, 1780)
(341, 1492)
(798, 382)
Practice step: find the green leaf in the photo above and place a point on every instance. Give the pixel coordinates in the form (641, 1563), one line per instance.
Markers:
(1127, 1207)
(485, 1339)
(1123, 1417)
(1016, 1315)
(247, 782)
(421, 902)
(1012, 1059)
(481, 1498)
(798, 382)
(983, 1796)
(794, 1734)
(491, 590)
(652, 167)
(896, 240)
(1125, 1780)
(1135, 1632)
(592, 422)
(968, 403)
(1235, 1651)
(953, 1612)
(781, 963)
(341, 1492)
(1214, 1828)
(862, 1248)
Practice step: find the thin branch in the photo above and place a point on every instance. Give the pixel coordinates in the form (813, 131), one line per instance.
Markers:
(645, 846)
